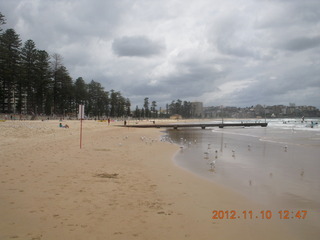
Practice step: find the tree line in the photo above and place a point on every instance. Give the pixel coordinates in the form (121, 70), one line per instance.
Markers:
(183, 108)
(34, 82)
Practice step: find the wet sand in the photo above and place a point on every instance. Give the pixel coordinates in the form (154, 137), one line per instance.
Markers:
(118, 186)
(276, 168)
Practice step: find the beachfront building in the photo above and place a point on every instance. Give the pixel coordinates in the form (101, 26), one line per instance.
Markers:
(197, 109)
(260, 111)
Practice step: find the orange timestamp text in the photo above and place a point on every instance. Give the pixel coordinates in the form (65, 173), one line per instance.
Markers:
(263, 214)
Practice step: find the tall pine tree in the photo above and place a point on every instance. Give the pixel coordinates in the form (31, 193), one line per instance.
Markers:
(27, 81)
(43, 83)
(10, 44)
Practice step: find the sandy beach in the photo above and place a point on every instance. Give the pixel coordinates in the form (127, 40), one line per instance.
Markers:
(122, 184)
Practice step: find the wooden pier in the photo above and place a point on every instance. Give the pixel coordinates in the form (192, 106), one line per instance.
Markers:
(195, 125)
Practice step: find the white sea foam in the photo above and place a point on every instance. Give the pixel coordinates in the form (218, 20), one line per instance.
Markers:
(309, 124)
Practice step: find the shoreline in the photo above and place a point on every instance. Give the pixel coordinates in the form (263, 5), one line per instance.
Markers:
(117, 187)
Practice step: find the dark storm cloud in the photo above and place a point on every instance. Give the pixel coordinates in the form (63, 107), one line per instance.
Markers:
(56, 24)
(192, 84)
(136, 46)
(190, 81)
(302, 43)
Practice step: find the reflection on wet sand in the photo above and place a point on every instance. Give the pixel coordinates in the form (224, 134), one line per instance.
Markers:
(253, 157)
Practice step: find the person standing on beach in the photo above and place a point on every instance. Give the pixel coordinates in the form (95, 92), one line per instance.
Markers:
(108, 121)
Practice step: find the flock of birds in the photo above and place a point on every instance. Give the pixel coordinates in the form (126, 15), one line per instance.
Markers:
(184, 143)
(207, 154)
(146, 140)
(210, 155)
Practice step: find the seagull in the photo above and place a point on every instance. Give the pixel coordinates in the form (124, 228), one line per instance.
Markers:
(216, 154)
(213, 164)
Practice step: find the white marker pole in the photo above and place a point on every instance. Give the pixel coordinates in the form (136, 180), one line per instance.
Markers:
(81, 116)
(222, 113)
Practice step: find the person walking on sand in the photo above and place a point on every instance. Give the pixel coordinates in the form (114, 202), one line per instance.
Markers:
(108, 121)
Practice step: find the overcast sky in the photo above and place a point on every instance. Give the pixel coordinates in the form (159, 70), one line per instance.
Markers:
(220, 52)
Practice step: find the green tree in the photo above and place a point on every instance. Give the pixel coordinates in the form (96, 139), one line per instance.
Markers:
(167, 110)
(137, 112)
(105, 109)
(186, 109)
(10, 44)
(43, 83)
(113, 103)
(146, 107)
(154, 112)
(2, 21)
(127, 107)
(27, 82)
(119, 106)
(142, 113)
(97, 99)
(177, 107)
(121, 103)
(172, 108)
(64, 92)
(81, 91)
(56, 64)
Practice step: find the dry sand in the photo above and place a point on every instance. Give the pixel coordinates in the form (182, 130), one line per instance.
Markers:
(116, 187)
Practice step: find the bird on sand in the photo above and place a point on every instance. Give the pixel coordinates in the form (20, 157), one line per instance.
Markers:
(213, 164)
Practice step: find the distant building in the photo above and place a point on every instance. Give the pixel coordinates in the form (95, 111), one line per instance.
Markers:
(197, 109)
(259, 111)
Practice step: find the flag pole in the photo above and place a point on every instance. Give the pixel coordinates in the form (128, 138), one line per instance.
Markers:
(81, 115)
(80, 133)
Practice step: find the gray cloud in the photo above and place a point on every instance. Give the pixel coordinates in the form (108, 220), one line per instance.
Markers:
(136, 46)
(302, 43)
(218, 52)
